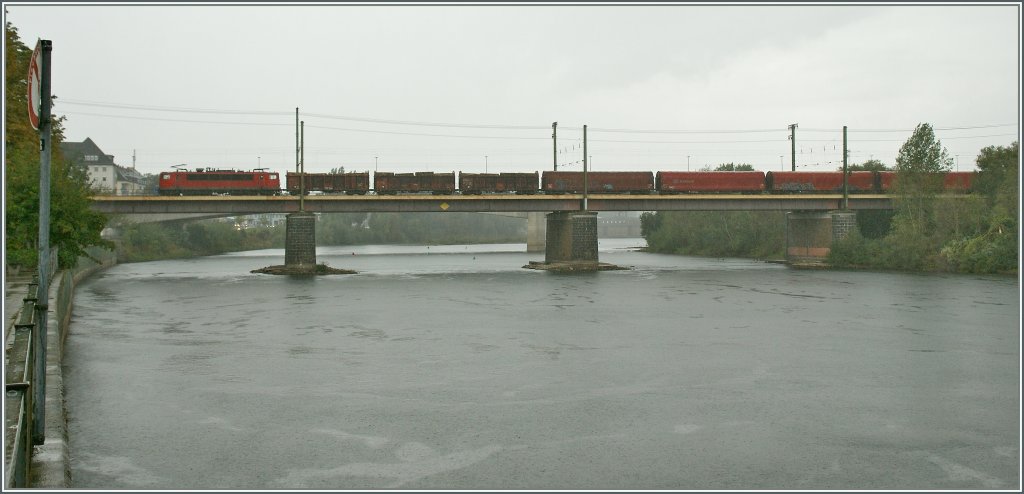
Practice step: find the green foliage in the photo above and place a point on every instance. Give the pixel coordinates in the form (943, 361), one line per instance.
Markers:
(732, 167)
(73, 226)
(176, 240)
(758, 234)
(172, 240)
(869, 166)
(419, 228)
(974, 233)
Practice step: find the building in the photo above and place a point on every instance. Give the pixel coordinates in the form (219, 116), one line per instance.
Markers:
(105, 176)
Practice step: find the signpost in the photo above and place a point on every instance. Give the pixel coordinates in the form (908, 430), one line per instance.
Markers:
(39, 116)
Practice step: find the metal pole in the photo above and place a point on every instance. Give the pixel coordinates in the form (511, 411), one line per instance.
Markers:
(43, 290)
(586, 184)
(297, 140)
(792, 138)
(302, 167)
(687, 162)
(485, 164)
(554, 143)
(846, 175)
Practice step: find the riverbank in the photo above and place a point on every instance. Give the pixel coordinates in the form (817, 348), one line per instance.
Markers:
(50, 462)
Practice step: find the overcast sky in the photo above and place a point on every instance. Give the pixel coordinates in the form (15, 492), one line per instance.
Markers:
(474, 88)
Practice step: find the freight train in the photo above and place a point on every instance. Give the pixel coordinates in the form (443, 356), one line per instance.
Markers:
(206, 181)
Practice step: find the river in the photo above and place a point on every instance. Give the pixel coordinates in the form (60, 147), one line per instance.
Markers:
(452, 367)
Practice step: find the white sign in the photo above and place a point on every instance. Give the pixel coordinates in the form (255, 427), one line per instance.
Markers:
(35, 82)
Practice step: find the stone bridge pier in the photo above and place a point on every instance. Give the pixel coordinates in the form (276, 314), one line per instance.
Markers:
(810, 234)
(300, 241)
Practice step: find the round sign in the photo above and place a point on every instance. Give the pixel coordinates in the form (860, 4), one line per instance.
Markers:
(34, 86)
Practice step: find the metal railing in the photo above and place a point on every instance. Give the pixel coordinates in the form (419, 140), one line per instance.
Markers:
(18, 386)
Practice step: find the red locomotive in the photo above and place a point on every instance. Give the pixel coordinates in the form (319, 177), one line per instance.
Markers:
(598, 182)
(336, 183)
(208, 181)
(704, 182)
(487, 183)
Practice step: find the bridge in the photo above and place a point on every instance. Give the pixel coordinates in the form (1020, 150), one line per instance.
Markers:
(482, 203)
(568, 237)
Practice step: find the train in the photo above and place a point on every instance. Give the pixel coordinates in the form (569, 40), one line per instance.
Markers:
(206, 181)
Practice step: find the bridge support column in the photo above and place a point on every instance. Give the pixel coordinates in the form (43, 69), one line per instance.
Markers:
(300, 241)
(810, 234)
(536, 230)
(571, 238)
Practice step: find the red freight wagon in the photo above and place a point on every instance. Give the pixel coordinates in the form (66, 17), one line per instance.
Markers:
(886, 180)
(349, 183)
(206, 181)
(861, 181)
(393, 183)
(696, 182)
(952, 181)
(598, 182)
(958, 181)
(478, 183)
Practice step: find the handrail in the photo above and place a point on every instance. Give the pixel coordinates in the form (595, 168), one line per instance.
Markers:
(18, 383)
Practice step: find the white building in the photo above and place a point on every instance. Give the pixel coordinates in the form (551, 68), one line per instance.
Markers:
(104, 175)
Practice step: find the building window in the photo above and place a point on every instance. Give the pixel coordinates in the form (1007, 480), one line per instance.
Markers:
(92, 157)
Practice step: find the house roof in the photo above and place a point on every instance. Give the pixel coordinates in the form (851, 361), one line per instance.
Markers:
(77, 151)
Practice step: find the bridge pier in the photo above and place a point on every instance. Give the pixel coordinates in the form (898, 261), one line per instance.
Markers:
(571, 243)
(300, 241)
(536, 230)
(810, 234)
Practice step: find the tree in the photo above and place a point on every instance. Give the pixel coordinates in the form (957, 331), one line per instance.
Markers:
(732, 167)
(996, 164)
(73, 225)
(871, 165)
(919, 166)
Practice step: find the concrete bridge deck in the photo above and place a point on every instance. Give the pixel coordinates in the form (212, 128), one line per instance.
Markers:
(482, 203)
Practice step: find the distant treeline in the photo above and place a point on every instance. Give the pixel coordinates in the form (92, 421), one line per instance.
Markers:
(175, 240)
(975, 233)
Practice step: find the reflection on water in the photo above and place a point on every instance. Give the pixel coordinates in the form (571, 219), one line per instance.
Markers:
(458, 369)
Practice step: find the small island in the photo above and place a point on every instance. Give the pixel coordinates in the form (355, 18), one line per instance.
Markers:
(300, 269)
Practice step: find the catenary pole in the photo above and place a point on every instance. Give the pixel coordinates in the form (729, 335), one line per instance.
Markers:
(554, 143)
(586, 184)
(846, 175)
(792, 138)
(302, 165)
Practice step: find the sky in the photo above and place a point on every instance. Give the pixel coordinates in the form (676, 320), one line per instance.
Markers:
(475, 88)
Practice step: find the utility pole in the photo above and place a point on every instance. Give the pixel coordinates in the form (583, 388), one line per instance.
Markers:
(792, 138)
(133, 159)
(687, 162)
(554, 142)
(586, 185)
(485, 163)
(297, 140)
(846, 175)
(302, 169)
